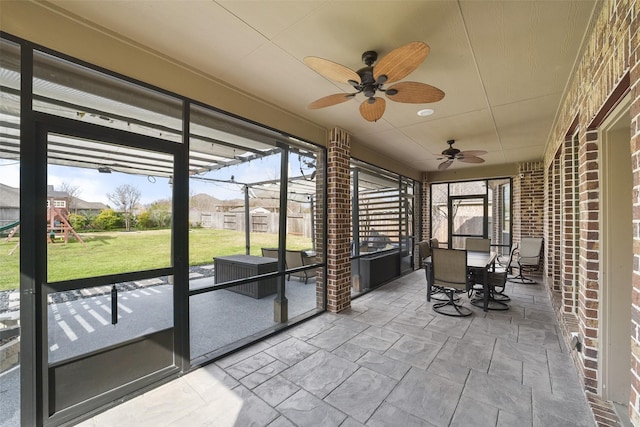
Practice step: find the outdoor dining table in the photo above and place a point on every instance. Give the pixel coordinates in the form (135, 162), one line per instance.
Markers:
(477, 262)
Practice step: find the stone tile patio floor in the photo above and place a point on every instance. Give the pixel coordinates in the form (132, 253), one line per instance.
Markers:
(388, 361)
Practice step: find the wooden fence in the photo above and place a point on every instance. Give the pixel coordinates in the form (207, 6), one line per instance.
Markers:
(297, 224)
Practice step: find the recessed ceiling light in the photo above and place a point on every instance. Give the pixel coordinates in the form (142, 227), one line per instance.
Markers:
(425, 112)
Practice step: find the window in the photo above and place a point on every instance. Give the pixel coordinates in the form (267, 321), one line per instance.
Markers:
(253, 210)
(382, 232)
(480, 208)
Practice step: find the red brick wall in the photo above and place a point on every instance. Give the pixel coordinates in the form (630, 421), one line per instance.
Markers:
(426, 203)
(496, 213)
(570, 240)
(338, 222)
(611, 55)
(531, 200)
(589, 274)
(528, 203)
(552, 229)
(319, 201)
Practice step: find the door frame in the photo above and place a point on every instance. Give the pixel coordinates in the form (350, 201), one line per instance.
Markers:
(33, 270)
(615, 345)
(485, 216)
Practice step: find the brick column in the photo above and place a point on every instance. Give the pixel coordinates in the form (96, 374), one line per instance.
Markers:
(530, 186)
(318, 220)
(528, 203)
(338, 221)
(425, 206)
(570, 239)
(555, 266)
(589, 291)
(497, 213)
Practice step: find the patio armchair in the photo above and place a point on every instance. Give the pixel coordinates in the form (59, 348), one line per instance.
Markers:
(270, 252)
(505, 262)
(527, 255)
(477, 244)
(436, 293)
(496, 282)
(424, 249)
(296, 259)
(449, 272)
(377, 241)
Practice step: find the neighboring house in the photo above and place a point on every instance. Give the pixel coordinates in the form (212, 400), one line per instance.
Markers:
(83, 207)
(58, 199)
(9, 204)
(61, 200)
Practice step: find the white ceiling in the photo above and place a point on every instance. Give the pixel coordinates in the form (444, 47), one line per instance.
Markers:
(503, 64)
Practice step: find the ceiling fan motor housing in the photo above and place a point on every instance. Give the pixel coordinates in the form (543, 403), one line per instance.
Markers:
(367, 83)
(450, 152)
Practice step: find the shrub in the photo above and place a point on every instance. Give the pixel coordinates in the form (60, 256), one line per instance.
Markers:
(144, 221)
(77, 221)
(161, 218)
(107, 219)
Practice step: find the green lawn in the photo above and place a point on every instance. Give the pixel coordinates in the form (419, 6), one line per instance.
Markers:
(119, 252)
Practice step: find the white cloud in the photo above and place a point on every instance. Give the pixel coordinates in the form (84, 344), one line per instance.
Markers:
(10, 173)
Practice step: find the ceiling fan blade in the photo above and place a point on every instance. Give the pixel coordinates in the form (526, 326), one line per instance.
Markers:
(328, 101)
(414, 93)
(442, 166)
(473, 153)
(331, 70)
(400, 62)
(372, 111)
(470, 159)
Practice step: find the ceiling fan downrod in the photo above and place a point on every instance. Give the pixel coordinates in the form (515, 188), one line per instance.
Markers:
(369, 57)
(451, 152)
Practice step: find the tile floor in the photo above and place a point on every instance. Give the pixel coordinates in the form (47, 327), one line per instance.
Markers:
(388, 361)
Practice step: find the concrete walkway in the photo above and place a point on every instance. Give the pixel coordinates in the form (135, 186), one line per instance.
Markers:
(388, 361)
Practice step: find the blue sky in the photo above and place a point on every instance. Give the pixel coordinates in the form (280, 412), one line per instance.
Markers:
(94, 186)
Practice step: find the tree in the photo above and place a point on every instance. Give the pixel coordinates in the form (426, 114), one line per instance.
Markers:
(73, 191)
(160, 213)
(125, 198)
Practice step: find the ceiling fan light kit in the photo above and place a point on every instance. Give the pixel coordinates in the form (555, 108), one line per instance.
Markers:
(370, 79)
(425, 112)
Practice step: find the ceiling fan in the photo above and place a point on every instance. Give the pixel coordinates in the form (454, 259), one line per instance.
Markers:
(368, 80)
(451, 154)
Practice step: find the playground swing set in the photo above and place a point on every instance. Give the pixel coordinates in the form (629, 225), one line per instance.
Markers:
(57, 226)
